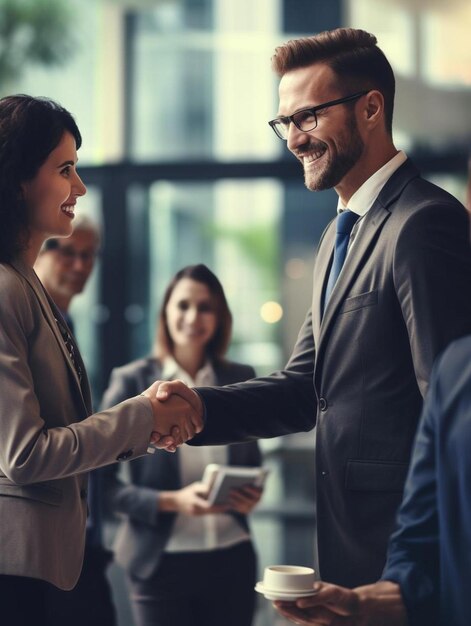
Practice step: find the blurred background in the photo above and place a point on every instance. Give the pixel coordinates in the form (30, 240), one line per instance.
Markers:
(172, 98)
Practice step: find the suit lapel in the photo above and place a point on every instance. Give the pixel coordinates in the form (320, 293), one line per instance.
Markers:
(83, 382)
(321, 273)
(361, 251)
(48, 307)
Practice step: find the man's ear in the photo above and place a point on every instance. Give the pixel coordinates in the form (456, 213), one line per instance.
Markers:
(374, 108)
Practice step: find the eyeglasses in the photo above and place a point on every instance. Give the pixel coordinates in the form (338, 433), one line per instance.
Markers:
(306, 119)
(70, 254)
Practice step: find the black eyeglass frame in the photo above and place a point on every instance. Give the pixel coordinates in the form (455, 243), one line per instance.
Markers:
(313, 111)
(68, 253)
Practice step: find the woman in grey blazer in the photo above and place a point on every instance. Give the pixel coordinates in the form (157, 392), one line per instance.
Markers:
(187, 563)
(48, 440)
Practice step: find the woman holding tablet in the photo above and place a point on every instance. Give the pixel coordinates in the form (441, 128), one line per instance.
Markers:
(187, 563)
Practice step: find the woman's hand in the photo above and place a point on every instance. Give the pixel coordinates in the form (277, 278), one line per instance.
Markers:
(190, 500)
(244, 499)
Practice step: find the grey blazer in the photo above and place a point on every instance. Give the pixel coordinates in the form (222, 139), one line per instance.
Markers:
(47, 442)
(145, 531)
(361, 371)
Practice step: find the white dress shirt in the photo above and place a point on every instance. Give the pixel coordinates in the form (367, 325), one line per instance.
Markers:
(365, 196)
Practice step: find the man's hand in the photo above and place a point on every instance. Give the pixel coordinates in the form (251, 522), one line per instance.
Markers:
(168, 393)
(330, 606)
(169, 388)
(372, 605)
(175, 421)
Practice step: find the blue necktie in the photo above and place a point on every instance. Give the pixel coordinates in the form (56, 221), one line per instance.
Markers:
(345, 223)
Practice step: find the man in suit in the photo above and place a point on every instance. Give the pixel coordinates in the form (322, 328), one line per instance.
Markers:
(64, 267)
(391, 290)
(428, 564)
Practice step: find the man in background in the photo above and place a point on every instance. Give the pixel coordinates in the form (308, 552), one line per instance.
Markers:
(64, 267)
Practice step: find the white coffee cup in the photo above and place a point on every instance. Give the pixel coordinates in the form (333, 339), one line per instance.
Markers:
(288, 578)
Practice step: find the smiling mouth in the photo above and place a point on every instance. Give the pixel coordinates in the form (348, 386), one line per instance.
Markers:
(68, 209)
(313, 155)
(192, 334)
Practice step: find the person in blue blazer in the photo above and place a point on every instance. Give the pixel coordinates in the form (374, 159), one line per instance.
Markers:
(187, 563)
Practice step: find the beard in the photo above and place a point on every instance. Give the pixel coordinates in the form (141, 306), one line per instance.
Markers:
(328, 175)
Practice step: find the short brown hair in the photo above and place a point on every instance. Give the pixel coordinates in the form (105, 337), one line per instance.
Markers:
(351, 53)
(219, 343)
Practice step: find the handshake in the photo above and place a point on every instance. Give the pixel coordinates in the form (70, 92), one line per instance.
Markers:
(178, 413)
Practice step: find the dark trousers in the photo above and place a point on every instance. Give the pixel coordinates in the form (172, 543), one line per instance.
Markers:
(23, 601)
(198, 589)
(90, 601)
(32, 602)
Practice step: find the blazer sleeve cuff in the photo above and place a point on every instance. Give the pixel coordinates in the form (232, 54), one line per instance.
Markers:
(419, 591)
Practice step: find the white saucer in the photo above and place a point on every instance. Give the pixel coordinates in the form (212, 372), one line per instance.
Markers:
(273, 594)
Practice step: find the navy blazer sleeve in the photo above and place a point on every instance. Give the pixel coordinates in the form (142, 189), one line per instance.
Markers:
(413, 557)
(429, 554)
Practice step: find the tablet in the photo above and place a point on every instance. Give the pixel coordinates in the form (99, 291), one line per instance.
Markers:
(222, 478)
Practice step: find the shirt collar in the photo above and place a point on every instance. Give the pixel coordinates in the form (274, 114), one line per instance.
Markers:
(204, 376)
(365, 196)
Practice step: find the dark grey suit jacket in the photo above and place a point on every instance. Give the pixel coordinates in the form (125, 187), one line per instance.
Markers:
(403, 295)
(143, 535)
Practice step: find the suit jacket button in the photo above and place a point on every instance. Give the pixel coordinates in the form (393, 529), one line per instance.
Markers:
(124, 455)
(83, 494)
(323, 404)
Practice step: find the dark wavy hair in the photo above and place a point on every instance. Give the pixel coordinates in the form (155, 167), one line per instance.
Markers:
(219, 343)
(353, 55)
(30, 129)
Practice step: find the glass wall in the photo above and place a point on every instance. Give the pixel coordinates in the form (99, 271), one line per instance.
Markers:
(232, 226)
(200, 81)
(428, 46)
(89, 81)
